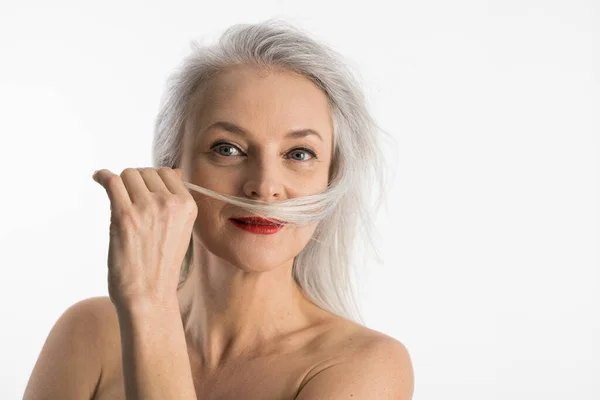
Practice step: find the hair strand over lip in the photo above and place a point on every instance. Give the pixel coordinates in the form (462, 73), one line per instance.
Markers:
(344, 232)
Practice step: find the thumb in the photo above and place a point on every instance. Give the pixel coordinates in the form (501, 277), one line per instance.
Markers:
(179, 172)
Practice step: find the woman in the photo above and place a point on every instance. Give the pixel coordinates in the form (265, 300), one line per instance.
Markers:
(207, 300)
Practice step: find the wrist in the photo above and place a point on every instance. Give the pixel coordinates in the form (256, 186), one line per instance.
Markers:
(144, 307)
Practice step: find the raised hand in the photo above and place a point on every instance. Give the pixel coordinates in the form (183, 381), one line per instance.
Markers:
(152, 217)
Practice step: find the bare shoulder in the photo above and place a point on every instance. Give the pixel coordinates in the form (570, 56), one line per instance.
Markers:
(96, 324)
(70, 364)
(100, 309)
(108, 341)
(99, 317)
(108, 338)
(367, 364)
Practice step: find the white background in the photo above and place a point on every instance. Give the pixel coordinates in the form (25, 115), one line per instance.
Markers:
(491, 274)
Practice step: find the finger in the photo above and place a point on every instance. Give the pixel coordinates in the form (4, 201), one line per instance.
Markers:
(173, 181)
(117, 193)
(136, 187)
(153, 181)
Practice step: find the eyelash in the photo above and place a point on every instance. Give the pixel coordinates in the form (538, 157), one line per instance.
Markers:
(307, 150)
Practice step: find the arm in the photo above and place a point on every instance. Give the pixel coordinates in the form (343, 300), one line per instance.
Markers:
(69, 365)
(383, 370)
(154, 354)
(152, 217)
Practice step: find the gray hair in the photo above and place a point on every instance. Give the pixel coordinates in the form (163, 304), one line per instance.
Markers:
(323, 267)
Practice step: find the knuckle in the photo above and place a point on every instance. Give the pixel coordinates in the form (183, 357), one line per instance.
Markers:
(189, 206)
(149, 207)
(128, 171)
(112, 180)
(146, 170)
(170, 206)
(170, 203)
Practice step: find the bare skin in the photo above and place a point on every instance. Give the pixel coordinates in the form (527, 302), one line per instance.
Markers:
(241, 296)
(249, 331)
(277, 373)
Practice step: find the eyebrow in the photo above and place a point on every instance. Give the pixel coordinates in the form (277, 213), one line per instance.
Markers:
(233, 128)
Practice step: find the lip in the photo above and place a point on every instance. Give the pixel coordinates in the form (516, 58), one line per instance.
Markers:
(259, 220)
(258, 225)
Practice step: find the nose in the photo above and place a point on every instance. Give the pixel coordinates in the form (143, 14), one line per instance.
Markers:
(263, 182)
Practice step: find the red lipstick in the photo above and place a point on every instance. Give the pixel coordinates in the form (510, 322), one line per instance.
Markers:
(258, 225)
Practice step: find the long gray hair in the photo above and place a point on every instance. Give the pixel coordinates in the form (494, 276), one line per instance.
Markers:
(323, 268)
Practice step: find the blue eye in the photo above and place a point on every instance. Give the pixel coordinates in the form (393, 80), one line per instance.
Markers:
(300, 154)
(225, 149)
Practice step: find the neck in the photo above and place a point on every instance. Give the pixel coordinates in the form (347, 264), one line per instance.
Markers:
(230, 313)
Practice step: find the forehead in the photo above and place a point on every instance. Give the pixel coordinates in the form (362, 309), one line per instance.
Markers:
(267, 101)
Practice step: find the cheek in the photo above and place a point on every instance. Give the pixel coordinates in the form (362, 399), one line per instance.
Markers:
(208, 227)
(209, 210)
(299, 185)
(220, 180)
(301, 236)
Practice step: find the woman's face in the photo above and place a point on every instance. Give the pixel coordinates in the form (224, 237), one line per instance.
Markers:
(263, 135)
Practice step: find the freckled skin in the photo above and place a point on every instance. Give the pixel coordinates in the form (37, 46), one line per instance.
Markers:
(250, 331)
(267, 105)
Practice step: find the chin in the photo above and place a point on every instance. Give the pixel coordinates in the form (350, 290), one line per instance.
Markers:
(252, 258)
(252, 252)
(257, 262)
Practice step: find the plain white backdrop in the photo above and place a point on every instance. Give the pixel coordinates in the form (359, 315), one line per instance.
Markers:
(491, 237)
